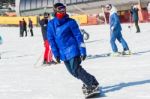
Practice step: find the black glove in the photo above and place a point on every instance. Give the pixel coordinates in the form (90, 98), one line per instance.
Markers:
(83, 57)
(58, 59)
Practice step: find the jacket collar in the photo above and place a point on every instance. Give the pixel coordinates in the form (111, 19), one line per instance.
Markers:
(62, 21)
(113, 10)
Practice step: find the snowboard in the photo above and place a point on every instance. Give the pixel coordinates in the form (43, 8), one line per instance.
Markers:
(93, 94)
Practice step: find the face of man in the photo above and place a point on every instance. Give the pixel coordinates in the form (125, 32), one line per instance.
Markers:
(108, 8)
(60, 12)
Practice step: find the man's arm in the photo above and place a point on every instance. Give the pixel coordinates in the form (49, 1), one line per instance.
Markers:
(116, 21)
(78, 36)
(51, 40)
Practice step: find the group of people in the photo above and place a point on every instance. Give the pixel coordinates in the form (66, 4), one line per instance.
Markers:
(63, 36)
(23, 27)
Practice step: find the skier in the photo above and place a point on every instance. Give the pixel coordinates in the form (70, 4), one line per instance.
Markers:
(30, 25)
(24, 27)
(115, 31)
(134, 12)
(67, 45)
(21, 28)
(48, 56)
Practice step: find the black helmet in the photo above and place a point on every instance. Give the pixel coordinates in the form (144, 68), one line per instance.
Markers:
(59, 7)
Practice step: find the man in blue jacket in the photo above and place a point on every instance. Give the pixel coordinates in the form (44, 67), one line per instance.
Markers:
(67, 45)
(115, 31)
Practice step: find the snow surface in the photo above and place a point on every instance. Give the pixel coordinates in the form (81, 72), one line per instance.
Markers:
(22, 77)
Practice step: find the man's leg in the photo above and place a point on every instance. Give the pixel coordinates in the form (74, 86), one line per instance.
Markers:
(74, 67)
(137, 26)
(46, 52)
(22, 32)
(50, 54)
(25, 32)
(123, 42)
(112, 42)
(31, 31)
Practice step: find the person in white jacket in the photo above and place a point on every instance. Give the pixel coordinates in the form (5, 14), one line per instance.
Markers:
(115, 31)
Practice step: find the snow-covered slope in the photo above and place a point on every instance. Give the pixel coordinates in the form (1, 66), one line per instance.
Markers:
(119, 77)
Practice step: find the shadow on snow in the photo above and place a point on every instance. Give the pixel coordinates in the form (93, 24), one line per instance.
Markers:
(123, 85)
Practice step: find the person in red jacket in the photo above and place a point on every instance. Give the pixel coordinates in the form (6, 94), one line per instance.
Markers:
(48, 55)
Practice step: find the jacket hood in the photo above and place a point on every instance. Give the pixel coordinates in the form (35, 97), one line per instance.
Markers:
(113, 10)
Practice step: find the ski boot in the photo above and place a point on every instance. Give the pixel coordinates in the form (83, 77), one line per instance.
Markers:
(52, 62)
(115, 54)
(44, 62)
(91, 90)
(127, 52)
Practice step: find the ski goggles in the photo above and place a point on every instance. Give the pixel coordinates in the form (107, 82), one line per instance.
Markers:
(60, 9)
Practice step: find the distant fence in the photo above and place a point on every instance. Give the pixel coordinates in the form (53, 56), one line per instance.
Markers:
(15, 20)
(81, 19)
(125, 17)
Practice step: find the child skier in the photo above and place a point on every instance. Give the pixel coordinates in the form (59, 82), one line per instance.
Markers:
(67, 45)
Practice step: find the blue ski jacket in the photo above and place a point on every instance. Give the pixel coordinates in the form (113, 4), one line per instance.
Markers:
(65, 38)
(115, 22)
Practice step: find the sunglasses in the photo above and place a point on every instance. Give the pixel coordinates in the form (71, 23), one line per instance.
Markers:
(60, 9)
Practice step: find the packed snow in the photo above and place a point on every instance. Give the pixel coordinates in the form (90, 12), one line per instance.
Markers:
(23, 77)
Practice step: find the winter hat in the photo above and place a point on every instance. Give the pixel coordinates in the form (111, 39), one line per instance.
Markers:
(59, 7)
(59, 10)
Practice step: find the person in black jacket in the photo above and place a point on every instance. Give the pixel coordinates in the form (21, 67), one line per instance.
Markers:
(48, 56)
(134, 12)
(24, 27)
(21, 28)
